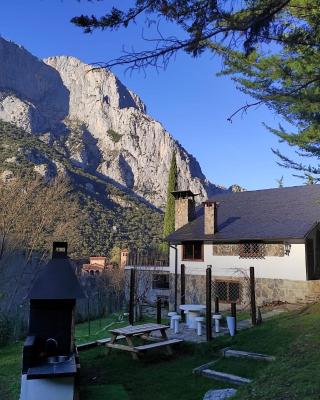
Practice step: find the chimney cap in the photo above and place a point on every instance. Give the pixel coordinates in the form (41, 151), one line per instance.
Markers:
(210, 202)
(183, 194)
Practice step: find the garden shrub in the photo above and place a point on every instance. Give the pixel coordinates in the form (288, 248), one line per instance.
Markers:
(114, 136)
(6, 329)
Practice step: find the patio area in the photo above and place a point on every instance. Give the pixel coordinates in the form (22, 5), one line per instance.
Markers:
(190, 334)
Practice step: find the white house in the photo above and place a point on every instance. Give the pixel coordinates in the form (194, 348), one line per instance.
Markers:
(275, 230)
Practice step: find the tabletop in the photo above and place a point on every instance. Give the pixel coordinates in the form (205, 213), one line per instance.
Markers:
(192, 307)
(137, 329)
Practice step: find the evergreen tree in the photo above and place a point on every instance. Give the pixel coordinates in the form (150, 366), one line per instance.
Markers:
(203, 24)
(286, 78)
(309, 180)
(169, 214)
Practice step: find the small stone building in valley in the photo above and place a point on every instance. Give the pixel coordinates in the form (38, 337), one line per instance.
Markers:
(96, 265)
(276, 231)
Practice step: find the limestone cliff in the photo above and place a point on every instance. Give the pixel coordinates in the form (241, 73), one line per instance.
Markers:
(98, 123)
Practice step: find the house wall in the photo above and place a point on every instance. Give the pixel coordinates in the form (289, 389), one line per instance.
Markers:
(279, 278)
(292, 267)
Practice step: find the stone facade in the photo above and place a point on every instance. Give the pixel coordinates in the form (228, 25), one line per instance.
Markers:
(210, 217)
(184, 211)
(225, 250)
(267, 290)
(270, 250)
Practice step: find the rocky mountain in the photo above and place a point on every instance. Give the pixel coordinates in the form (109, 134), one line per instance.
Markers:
(95, 122)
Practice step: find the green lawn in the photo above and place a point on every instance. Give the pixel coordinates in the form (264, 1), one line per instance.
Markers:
(98, 328)
(10, 360)
(157, 376)
(294, 338)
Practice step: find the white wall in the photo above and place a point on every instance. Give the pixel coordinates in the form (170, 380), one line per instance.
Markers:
(288, 267)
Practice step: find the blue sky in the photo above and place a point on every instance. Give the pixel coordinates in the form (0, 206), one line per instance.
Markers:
(190, 101)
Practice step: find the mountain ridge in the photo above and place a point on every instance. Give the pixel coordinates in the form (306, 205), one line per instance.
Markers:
(99, 124)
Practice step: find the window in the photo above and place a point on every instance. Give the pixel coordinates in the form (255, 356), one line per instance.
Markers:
(228, 291)
(251, 250)
(192, 251)
(160, 281)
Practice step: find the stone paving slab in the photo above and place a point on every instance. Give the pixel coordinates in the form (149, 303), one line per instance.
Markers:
(247, 354)
(219, 394)
(223, 376)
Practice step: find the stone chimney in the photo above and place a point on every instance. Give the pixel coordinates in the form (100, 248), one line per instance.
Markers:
(210, 217)
(184, 207)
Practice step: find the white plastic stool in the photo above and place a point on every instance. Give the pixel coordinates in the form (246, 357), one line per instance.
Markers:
(176, 319)
(186, 317)
(216, 318)
(170, 315)
(199, 321)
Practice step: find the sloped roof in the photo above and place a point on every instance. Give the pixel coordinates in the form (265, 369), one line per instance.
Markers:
(57, 281)
(283, 213)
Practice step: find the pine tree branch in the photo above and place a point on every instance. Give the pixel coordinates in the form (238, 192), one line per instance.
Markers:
(208, 22)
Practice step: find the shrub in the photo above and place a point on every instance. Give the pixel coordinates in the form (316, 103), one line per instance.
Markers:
(6, 329)
(114, 136)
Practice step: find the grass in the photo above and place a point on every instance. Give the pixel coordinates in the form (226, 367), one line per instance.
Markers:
(242, 367)
(103, 392)
(10, 366)
(156, 376)
(98, 328)
(292, 337)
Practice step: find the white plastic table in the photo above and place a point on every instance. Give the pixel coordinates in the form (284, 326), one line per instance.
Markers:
(193, 311)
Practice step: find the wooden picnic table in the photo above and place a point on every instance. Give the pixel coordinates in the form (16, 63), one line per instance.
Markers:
(143, 332)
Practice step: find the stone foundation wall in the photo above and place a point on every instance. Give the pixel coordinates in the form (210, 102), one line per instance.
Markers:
(267, 290)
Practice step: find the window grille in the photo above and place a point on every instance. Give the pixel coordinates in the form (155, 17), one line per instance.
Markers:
(252, 250)
(227, 291)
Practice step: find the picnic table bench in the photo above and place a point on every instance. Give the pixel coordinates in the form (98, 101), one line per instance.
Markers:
(143, 332)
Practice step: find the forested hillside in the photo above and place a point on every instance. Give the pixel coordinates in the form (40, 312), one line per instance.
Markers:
(110, 216)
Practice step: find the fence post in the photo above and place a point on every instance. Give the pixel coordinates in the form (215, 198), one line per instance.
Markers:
(208, 304)
(88, 316)
(253, 297)
(159, 310)
(216, 305)
(131, 296)
(183, 289)
(176, 279)
(234, 314)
